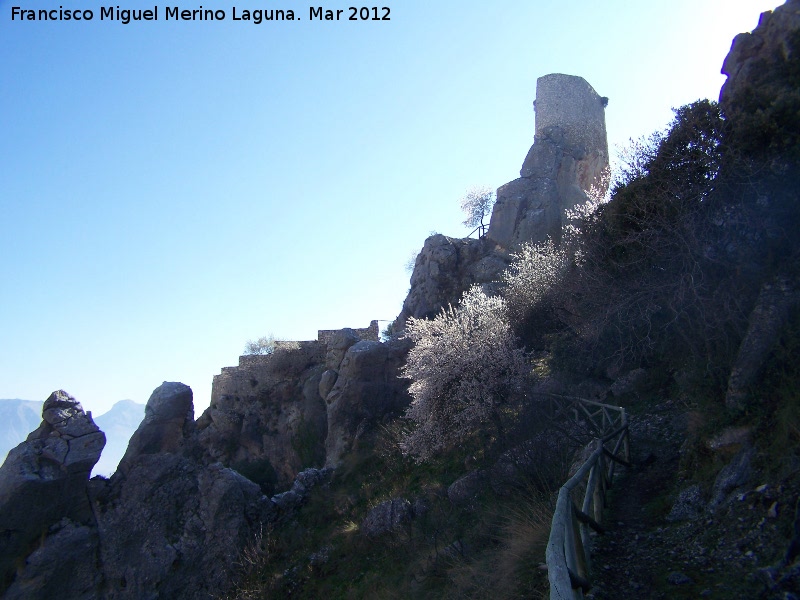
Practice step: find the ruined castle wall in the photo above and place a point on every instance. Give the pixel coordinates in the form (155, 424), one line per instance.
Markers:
(255, 369)
(289, 356)
(370, 334)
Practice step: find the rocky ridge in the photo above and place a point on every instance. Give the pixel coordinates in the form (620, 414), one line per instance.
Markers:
(190, 495)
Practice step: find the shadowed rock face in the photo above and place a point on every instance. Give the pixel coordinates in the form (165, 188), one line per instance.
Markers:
(367, 389)
(266, 417)
(303, 406)
(171, 525)
(750, 52)
(43, 480)
(167, 525)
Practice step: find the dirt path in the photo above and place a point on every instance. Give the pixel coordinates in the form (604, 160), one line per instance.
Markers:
(716, 555)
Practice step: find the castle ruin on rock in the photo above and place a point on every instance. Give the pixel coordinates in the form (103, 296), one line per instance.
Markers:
(188, 495)
(568, 157)
(303, 404)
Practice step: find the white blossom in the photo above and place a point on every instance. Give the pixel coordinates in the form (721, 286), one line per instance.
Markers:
(463, 365)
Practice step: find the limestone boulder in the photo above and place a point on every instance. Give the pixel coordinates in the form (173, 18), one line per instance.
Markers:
(464, 489)
(173, 527)
(732, 476)
(387, 517)
(368, 389)
(43, 480)
(168, 420)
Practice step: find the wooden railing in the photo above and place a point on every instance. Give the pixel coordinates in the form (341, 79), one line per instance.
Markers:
(569, 547)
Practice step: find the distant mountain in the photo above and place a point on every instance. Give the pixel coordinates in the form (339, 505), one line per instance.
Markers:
(118, 424)
(19, 417)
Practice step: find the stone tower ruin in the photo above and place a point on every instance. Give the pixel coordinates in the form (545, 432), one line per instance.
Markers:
(569, 153)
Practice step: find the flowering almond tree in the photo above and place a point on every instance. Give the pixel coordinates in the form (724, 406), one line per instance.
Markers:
(464, 366)
(536, 271)
(477, 204)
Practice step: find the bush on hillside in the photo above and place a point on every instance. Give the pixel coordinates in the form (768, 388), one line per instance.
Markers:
(531, 290)
(464, 366)
(651, 280)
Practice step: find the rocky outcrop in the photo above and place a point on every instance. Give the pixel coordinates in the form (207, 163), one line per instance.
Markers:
(767, 320)
(568, 156)
(367, 389)
(445, 268)
(771, 41)
(569, 153)
(173, 527)
(266, 418)
(302, 406)
(168, 421)
(43, 482)
(168, 524)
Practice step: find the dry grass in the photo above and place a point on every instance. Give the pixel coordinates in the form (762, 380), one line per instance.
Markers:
(252, 564)
(509, 567)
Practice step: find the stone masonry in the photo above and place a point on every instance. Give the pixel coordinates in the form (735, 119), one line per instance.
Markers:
(569, 153)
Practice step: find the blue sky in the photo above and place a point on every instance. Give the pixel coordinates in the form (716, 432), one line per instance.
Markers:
(169, 190)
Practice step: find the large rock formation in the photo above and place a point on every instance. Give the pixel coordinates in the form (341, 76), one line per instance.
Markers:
(759, 100)
(445, 268)
(568, 157)
(168, 524)
(303, 405)
(171, 525)
(770, 42)
(168, 421)
(43, 482)
(266, 417)
(367, 389)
